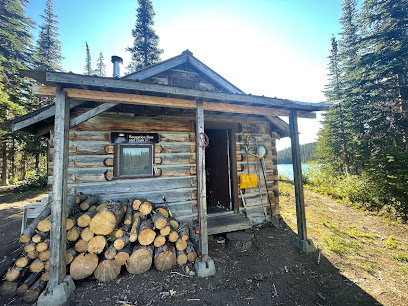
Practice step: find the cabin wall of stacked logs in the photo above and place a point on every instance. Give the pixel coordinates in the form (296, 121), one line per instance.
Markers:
(90, 169)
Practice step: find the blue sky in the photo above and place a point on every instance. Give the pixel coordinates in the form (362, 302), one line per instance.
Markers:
(276, 48)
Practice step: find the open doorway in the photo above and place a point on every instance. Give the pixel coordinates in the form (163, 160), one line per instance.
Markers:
(217, 164)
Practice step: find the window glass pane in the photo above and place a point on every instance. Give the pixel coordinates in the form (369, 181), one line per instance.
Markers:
(136, 161)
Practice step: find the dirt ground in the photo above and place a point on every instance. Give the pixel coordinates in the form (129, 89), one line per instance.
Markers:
(272, 272)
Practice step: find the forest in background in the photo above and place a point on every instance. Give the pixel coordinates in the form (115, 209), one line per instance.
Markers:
(306, 154)
(364, 140)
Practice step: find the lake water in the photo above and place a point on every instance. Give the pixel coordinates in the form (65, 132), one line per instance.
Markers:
(287, 169)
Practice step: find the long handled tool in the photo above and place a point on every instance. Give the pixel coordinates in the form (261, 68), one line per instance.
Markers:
(261, 162)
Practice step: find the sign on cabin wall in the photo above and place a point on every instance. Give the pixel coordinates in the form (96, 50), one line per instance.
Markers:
(117, 137)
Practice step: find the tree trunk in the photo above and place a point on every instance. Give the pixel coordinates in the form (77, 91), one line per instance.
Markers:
(165, 257)
(83, 266)
(107, 219)
(4, 177)
(12, 159)
(107, 270)
(141, 259)
(37, 163)
(23, 166)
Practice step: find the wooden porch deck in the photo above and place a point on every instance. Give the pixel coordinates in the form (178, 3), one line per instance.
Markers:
(226, 222)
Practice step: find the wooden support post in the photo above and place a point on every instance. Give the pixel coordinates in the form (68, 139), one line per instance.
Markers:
(59, 191)
(201, 183)
(233, 165)
(306, 245)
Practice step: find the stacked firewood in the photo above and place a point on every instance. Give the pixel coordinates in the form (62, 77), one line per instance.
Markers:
(102, 238)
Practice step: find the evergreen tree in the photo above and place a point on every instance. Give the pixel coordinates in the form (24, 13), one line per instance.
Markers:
(88, 62)
(100, 66)
(48, 46)
(145, 51)
(383, 66)
(333, 138)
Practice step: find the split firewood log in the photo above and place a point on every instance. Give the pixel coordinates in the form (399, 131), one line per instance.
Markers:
(191, 252)
(159, 241)
(121, 242)
(173, 236)
(135, 227)
(30, 280)
(44, 225)
(162, 211)
(84, 219)
(36, 266)
(107, 270)
(8, 288)
(88, 202)
(40, 236)
(70, 223)
(146, 208)
(146, 233)
(87, 234)
(174, 223)
(32, 254)
(14, 273)
(42, 246)
(122, 256)
(80, 198)
(30, 229)
(181, 244)
(183, 232)
(136, 204)
(165, 230)
(107, 219)
(121, 231)
(73, 233)
(70, 255)
(181, 258)
(81, 246)
(102, 206)
(140, 260)
(29, 247)
(110, 252)
(97, 244)
(159, 221)
(44, 255)
(164, 257)
(35, 290)
(129, 213)
(22, 262)
(45, 276)
(83, 266)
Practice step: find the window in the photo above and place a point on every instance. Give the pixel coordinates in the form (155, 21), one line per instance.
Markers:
(134, 160)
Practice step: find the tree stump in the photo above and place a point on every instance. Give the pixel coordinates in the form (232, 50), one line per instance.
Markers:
(239, 241)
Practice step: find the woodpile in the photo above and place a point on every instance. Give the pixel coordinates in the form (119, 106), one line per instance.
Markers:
(101, 238)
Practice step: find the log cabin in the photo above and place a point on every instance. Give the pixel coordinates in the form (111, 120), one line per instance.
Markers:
(177, 130)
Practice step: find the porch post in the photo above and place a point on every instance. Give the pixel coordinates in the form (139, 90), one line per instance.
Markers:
(302, 242)
(204, 265)
(59, 285)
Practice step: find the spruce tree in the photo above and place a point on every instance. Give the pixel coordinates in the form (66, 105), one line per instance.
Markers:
(100, 66)
(383, 65)
(88, 61)
(48, 45)
(145, 51)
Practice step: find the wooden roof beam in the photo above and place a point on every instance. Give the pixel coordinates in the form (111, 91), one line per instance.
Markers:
(111, 97)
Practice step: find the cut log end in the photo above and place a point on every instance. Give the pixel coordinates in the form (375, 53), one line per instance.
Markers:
(107, 270)
(83, 266)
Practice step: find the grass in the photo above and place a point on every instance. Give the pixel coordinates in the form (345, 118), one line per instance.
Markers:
(400, 256)
(391, 242)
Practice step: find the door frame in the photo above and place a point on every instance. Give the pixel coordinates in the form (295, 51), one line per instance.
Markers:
(232, 128)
